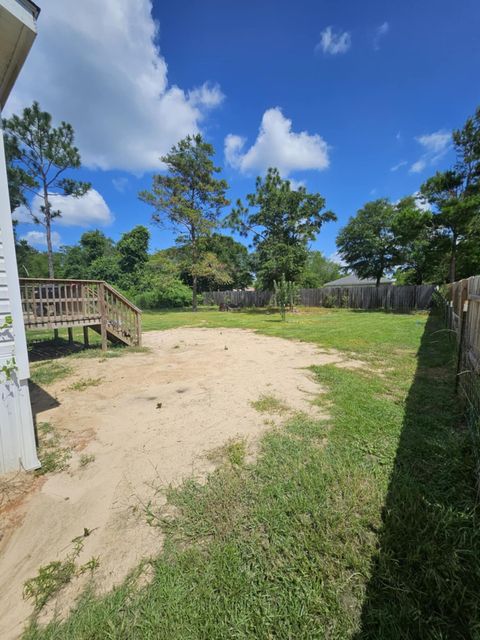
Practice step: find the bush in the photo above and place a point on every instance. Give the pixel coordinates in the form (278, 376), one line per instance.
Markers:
(167, 295)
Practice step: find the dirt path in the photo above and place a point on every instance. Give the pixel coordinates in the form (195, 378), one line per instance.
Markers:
(147, 423)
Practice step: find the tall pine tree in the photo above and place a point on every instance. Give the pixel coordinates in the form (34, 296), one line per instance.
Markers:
(190, 199)
(38, 157)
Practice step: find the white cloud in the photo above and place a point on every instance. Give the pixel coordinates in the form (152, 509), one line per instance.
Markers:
(334, 43)
(120, 183)
(380, 32)
(90, 210)
(435, 146)
(418, 166)
(435, 142)
(96, 65)
(206, 96)
(399, 165)
(39, 239)
(277, 146)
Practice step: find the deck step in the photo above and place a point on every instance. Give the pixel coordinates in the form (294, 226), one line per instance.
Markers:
(115, 336)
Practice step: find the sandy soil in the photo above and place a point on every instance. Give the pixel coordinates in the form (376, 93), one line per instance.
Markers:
(148, 423)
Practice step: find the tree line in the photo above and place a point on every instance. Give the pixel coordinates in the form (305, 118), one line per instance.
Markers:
(428, 237)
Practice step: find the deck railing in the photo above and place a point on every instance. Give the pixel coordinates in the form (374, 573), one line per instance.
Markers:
(59, 303)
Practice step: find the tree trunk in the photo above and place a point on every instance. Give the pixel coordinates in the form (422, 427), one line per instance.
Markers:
(48, 230)
(51, 272)
(377, 284)
(193, 236)
(194, 292)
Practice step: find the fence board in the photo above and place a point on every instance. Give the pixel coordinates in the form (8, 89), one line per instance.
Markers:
(388, 297)
(462, 310)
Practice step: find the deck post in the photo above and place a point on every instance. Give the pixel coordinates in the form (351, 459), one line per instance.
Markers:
(139, 330)
(103, 315)
(86, 342)
(70, 335)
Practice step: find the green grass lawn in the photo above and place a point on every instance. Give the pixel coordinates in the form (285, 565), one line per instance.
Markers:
(360, 526)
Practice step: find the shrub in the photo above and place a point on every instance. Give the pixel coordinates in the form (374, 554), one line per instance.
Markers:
(172, 293)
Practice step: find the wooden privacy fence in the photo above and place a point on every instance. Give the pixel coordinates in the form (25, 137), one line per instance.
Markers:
(462, 316)
(388, 297)
(55, 304)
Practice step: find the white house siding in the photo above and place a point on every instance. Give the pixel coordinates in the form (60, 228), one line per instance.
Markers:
(17, 437)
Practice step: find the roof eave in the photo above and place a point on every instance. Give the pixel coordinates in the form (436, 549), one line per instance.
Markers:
(23, 13)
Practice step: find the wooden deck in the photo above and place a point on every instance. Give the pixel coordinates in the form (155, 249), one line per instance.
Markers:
(57, 304)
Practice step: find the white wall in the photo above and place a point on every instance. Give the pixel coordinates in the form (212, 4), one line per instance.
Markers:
(17, 438)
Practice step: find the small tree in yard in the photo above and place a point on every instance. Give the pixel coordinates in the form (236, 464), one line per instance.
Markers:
(38, 157)
(191, 199)
(285, 293)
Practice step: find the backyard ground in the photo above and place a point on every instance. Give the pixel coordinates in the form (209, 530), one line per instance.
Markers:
(277, 488)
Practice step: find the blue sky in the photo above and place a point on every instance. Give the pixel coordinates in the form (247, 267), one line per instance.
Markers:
(353, 99)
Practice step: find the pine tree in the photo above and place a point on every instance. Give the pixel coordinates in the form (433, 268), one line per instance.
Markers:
(38, 156)
(190, 199)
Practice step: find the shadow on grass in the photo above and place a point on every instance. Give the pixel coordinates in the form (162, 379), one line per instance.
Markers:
(41, 350)
(51, 349)
(426, 577)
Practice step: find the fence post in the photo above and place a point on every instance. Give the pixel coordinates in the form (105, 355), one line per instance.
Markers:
(139, 330)
(463, 320)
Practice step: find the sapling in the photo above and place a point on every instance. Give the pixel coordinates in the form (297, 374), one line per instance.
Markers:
(285, 294)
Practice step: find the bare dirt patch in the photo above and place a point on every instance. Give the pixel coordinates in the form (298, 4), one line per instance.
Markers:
(146, 424)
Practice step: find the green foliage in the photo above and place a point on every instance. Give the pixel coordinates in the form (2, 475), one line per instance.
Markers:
(52, 454)
(190, 199)
(133, 250)
(319, 270)
(165, 294)
(49, 371)
(282, 224)
(94, 257)
(329, 301)
(8, 369)
(51, 578)
(18, 179)
(86, 459)
(7, 323)
(285, 294)
(269, 404)
(367, 243)
(235, 258)
(455, 195)
(32, 263)
(227, 264)
(48, 582)
(419, 252)
(233, 453)
(94, 244)
(39, 156)
(105, 268)
(85, 383)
